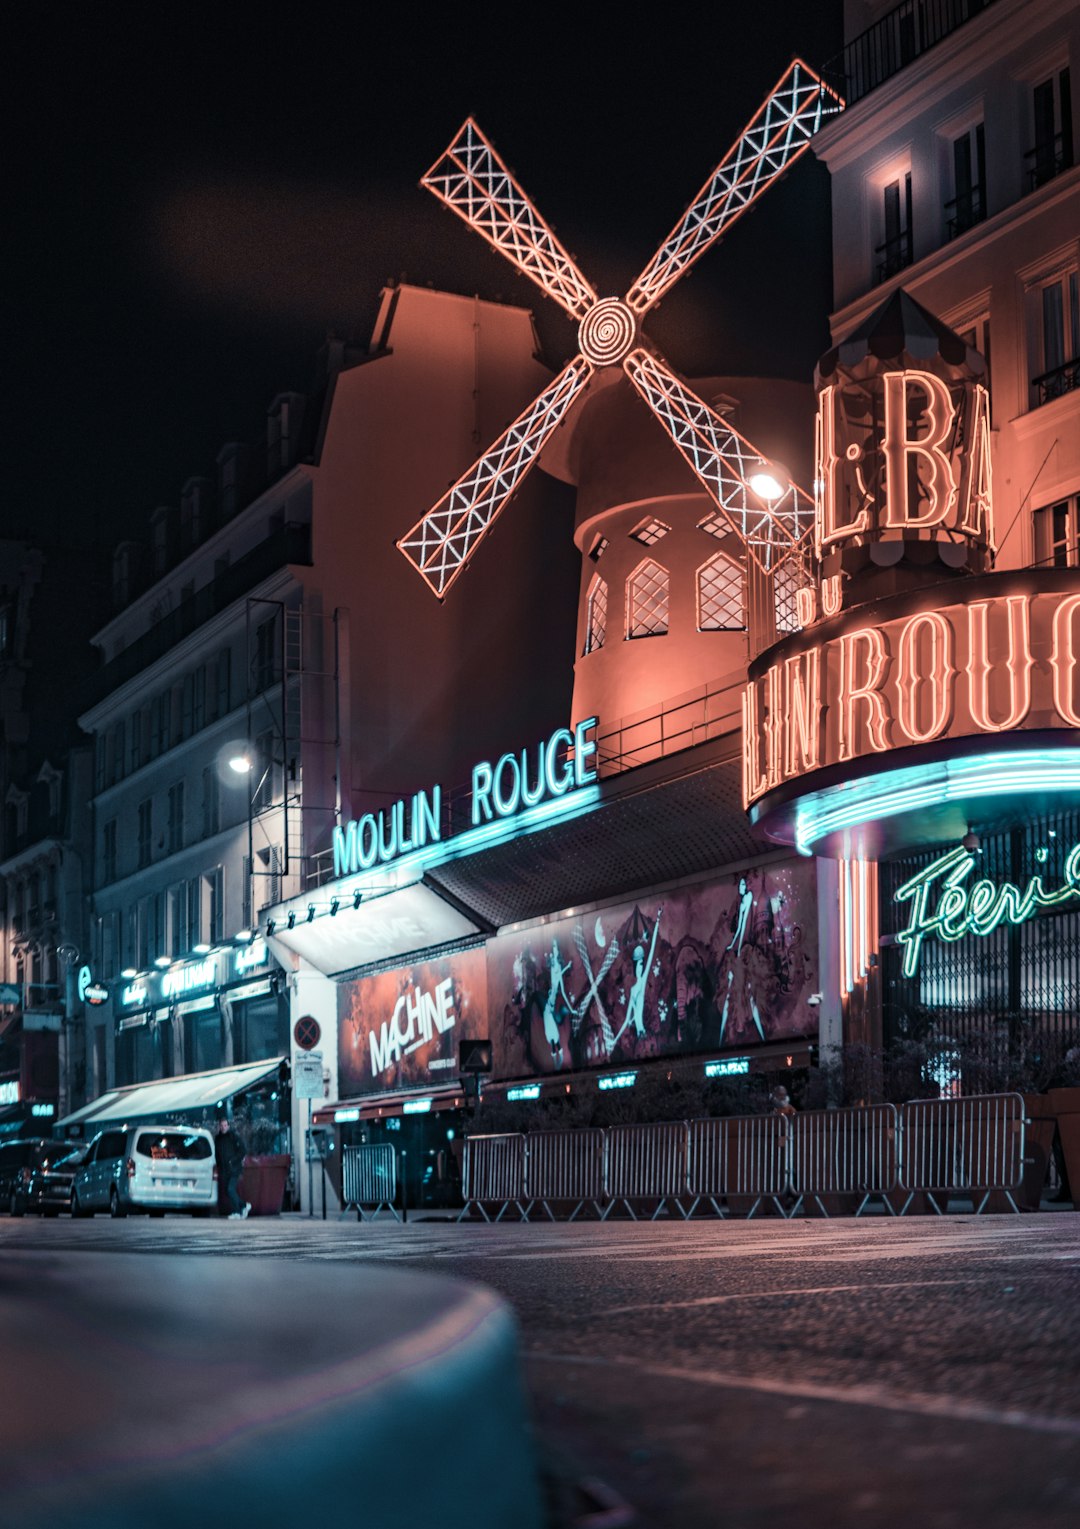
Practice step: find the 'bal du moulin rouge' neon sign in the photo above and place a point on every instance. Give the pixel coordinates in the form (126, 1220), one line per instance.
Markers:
(975, 908)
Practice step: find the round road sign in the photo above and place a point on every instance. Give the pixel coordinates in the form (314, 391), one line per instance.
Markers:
(306, 1032)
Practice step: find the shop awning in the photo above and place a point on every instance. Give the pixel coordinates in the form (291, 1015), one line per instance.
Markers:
(448, 1096)
(170, 1096)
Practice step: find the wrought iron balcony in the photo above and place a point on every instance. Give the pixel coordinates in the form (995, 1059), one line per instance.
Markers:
(896, 39)
(895, 255)
(1056, 383)
(963, 212)
(1046, 161)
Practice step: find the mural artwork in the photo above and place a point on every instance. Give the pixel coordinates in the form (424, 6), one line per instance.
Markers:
(719, 965)
(400, 1029)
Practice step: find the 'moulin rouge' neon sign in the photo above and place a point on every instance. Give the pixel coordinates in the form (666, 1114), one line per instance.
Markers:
(947, 906)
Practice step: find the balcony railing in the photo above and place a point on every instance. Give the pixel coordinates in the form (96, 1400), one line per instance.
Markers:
(896, 39)
(1056, 383)
(963, 212)
(894, 255)
(1046, 161)
(290, 544)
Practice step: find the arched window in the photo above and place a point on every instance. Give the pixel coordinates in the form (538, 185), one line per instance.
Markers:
(721, 599)
(647, 601)
(596, 615)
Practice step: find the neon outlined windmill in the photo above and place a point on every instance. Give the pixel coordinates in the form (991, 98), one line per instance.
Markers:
(473, 182)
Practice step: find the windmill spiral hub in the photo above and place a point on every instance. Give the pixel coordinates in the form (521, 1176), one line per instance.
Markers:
(608, 332)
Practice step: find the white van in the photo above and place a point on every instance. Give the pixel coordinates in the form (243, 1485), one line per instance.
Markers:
(151, 1168)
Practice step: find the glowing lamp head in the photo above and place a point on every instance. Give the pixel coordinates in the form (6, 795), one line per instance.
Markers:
(767, 484)
(240, 763)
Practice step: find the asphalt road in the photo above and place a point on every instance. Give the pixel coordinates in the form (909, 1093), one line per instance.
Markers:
(872, 1373)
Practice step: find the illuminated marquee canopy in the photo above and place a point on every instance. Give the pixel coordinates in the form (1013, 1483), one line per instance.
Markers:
(993, 657)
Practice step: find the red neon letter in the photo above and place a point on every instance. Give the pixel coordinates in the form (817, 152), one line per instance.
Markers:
(754, 777)
(1063, 660)
(1017, 665)
(938, 675)
(898, 448)
(828, 526)
(977, 520)
(802, 710)
(853, 689)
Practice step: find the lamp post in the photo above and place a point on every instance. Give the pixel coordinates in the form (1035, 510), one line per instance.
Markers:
(69, 956)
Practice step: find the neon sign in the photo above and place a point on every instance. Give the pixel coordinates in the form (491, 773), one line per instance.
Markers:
(618, 1080)
(526, 1091)
(9, 1092)
(249, 956)
(515, 782)
(978, 907)
(903, 454)
(730, 1067)
(956, 671)
(186, 979)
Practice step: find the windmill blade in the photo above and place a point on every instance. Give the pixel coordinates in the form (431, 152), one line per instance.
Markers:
(724, 461)
(773, 140)
(473, 182)
(442, 543)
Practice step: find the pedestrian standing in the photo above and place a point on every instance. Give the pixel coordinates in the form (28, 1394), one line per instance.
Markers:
(230, 1162)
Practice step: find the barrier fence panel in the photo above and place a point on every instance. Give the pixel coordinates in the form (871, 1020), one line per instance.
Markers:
(494, 1174)
(759, 1164)
(710, 1153)
(566, 1166)
(369, 1179)
(970, 1146)
(647, 1162)
(845, 1152)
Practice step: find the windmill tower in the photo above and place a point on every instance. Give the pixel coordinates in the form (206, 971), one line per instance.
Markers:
(761, 529)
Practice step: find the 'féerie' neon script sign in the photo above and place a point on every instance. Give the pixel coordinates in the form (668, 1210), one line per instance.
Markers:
(514, 783)
(975, 908)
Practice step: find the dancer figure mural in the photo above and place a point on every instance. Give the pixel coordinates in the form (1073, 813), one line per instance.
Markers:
(716, 965)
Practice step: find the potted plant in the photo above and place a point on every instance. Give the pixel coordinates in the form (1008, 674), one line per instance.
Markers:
(266, 1168)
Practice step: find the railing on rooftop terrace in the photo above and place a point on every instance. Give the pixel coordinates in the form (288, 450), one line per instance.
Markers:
(290, 544)
(895, 40)
(698, 715)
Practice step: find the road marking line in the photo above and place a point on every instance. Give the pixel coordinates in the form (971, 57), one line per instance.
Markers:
(949, 1407)
(764, 1295)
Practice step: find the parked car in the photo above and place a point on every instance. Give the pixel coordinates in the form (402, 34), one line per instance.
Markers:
(151, 1168)
(18, 1159)
(52, 1176)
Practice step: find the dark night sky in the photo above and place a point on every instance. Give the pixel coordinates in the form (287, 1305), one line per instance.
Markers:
(196, 194)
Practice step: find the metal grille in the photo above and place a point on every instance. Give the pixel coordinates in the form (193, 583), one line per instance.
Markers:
(721, 602)
(647, 612)
(650, 531)
(787, 581)
(596, 615)
(997, 1008)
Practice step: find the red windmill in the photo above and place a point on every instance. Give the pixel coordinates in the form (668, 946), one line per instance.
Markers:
(473, 182)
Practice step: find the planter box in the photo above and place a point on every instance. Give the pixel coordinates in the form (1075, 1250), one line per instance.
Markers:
(1065, 1103)
(1038, 1144)
(263, 1182)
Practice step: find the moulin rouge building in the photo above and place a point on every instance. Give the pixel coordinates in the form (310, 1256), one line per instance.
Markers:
(817, 784)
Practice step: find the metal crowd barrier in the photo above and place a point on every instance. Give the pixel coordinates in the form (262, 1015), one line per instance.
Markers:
(970, 1146)
(565, 1166)
(845, 1152)
(369, 1180)
(647, 1162)
(759, 1167)
(494, 1174)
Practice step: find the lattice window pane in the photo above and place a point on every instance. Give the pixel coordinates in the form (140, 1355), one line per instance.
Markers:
(716, 525)
(596, 616)
(647, 606)
(721, 598)
(787, 581)
(598, 548)
(650, 531)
